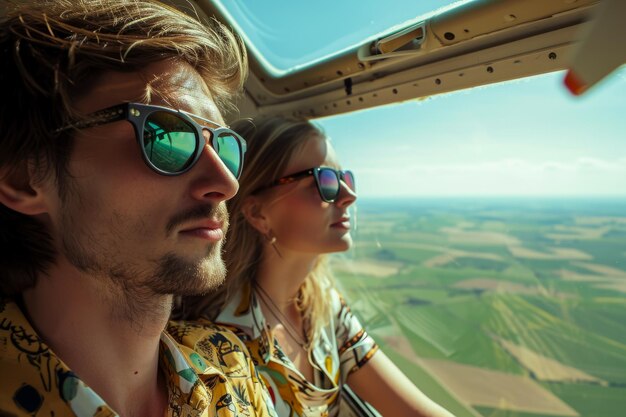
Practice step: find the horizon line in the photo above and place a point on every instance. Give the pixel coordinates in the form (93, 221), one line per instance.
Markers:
(555, 196)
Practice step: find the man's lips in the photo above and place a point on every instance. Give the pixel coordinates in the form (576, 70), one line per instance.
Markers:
(212, 230)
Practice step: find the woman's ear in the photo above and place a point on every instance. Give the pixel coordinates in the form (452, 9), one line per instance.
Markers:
(20, 193)
(252, 209)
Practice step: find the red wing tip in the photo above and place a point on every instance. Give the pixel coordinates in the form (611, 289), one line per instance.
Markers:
(574, 84)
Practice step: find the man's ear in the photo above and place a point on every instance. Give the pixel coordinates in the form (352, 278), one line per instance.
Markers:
(19, 192)
(252, 210)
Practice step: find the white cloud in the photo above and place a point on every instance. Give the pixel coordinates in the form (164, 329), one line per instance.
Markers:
(509, 166)
(600, 165)
(509, 176)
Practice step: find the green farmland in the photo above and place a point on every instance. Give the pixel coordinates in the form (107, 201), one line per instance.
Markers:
(503, 308)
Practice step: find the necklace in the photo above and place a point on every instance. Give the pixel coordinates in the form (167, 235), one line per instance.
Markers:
(292, 332)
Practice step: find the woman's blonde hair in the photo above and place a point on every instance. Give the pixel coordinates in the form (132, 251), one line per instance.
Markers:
(272, 142)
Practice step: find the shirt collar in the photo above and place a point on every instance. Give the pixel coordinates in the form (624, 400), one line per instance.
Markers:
(182, 367)
(244, 313)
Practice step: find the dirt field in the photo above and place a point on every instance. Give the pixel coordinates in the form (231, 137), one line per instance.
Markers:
(615, 285)
(439, 260)
(451, 254)
(577, 233)
(586, 220)
(568, 275)
(602, 269)
(447, 254)
(459, 235)
(379, 269)
(554, 253)
(547, 369)
(501, 286)
(483, 387)
(615, 281)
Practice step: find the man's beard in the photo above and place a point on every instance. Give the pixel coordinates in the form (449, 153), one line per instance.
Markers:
(137, 291)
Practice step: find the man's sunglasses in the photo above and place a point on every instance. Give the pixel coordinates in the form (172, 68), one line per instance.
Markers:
(327, 181)
(171, 141)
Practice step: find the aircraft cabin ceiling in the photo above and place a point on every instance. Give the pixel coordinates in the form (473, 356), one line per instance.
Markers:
(462, 45)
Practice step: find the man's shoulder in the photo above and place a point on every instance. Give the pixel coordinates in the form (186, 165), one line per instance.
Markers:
(225, 352)
(33, 380)
(216, 343)
(186, 332)
(19, 343)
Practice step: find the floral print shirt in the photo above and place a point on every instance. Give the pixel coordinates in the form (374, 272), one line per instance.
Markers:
(342, 348)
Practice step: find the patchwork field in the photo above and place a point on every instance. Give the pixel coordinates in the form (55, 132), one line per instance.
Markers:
(373, 268)
(546, 369)
(497, 308)
(484, 387)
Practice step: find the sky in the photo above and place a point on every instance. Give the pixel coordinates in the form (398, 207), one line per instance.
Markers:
(527, 137)
(286, 34)
(523, 138)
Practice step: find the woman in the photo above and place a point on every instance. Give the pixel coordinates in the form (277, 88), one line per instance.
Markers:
(279, 296)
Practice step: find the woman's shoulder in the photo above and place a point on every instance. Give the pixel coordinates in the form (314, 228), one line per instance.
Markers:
(242, 315)
(336, 300)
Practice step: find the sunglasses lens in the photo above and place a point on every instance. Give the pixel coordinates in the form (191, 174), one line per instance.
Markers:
(228, 149)
(169, 141)
(329, 184)
(348, 178)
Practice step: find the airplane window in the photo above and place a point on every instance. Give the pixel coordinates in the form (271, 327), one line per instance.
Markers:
(322, 27)
(490, 250)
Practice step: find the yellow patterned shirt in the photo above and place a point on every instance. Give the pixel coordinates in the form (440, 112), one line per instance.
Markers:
(36, 382)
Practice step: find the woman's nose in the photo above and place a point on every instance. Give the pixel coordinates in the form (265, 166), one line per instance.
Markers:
(346, 196)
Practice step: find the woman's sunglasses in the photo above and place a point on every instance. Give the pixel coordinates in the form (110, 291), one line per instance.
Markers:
(171, 141)
(327, 181)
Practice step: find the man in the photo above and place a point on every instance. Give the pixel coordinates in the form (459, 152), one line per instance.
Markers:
(111, 203)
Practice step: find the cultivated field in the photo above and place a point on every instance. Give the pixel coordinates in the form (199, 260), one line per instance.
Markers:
(497, 308)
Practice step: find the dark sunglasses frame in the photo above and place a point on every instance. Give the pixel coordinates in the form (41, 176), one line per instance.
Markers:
(315, 172)
(137, 114)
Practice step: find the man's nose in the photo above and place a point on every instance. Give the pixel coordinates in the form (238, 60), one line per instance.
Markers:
(214, 180)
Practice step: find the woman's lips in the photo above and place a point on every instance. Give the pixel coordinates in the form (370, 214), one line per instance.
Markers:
(343, 223)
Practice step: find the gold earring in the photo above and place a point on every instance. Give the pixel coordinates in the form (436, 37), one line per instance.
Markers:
(269, 238)
(272, 241)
